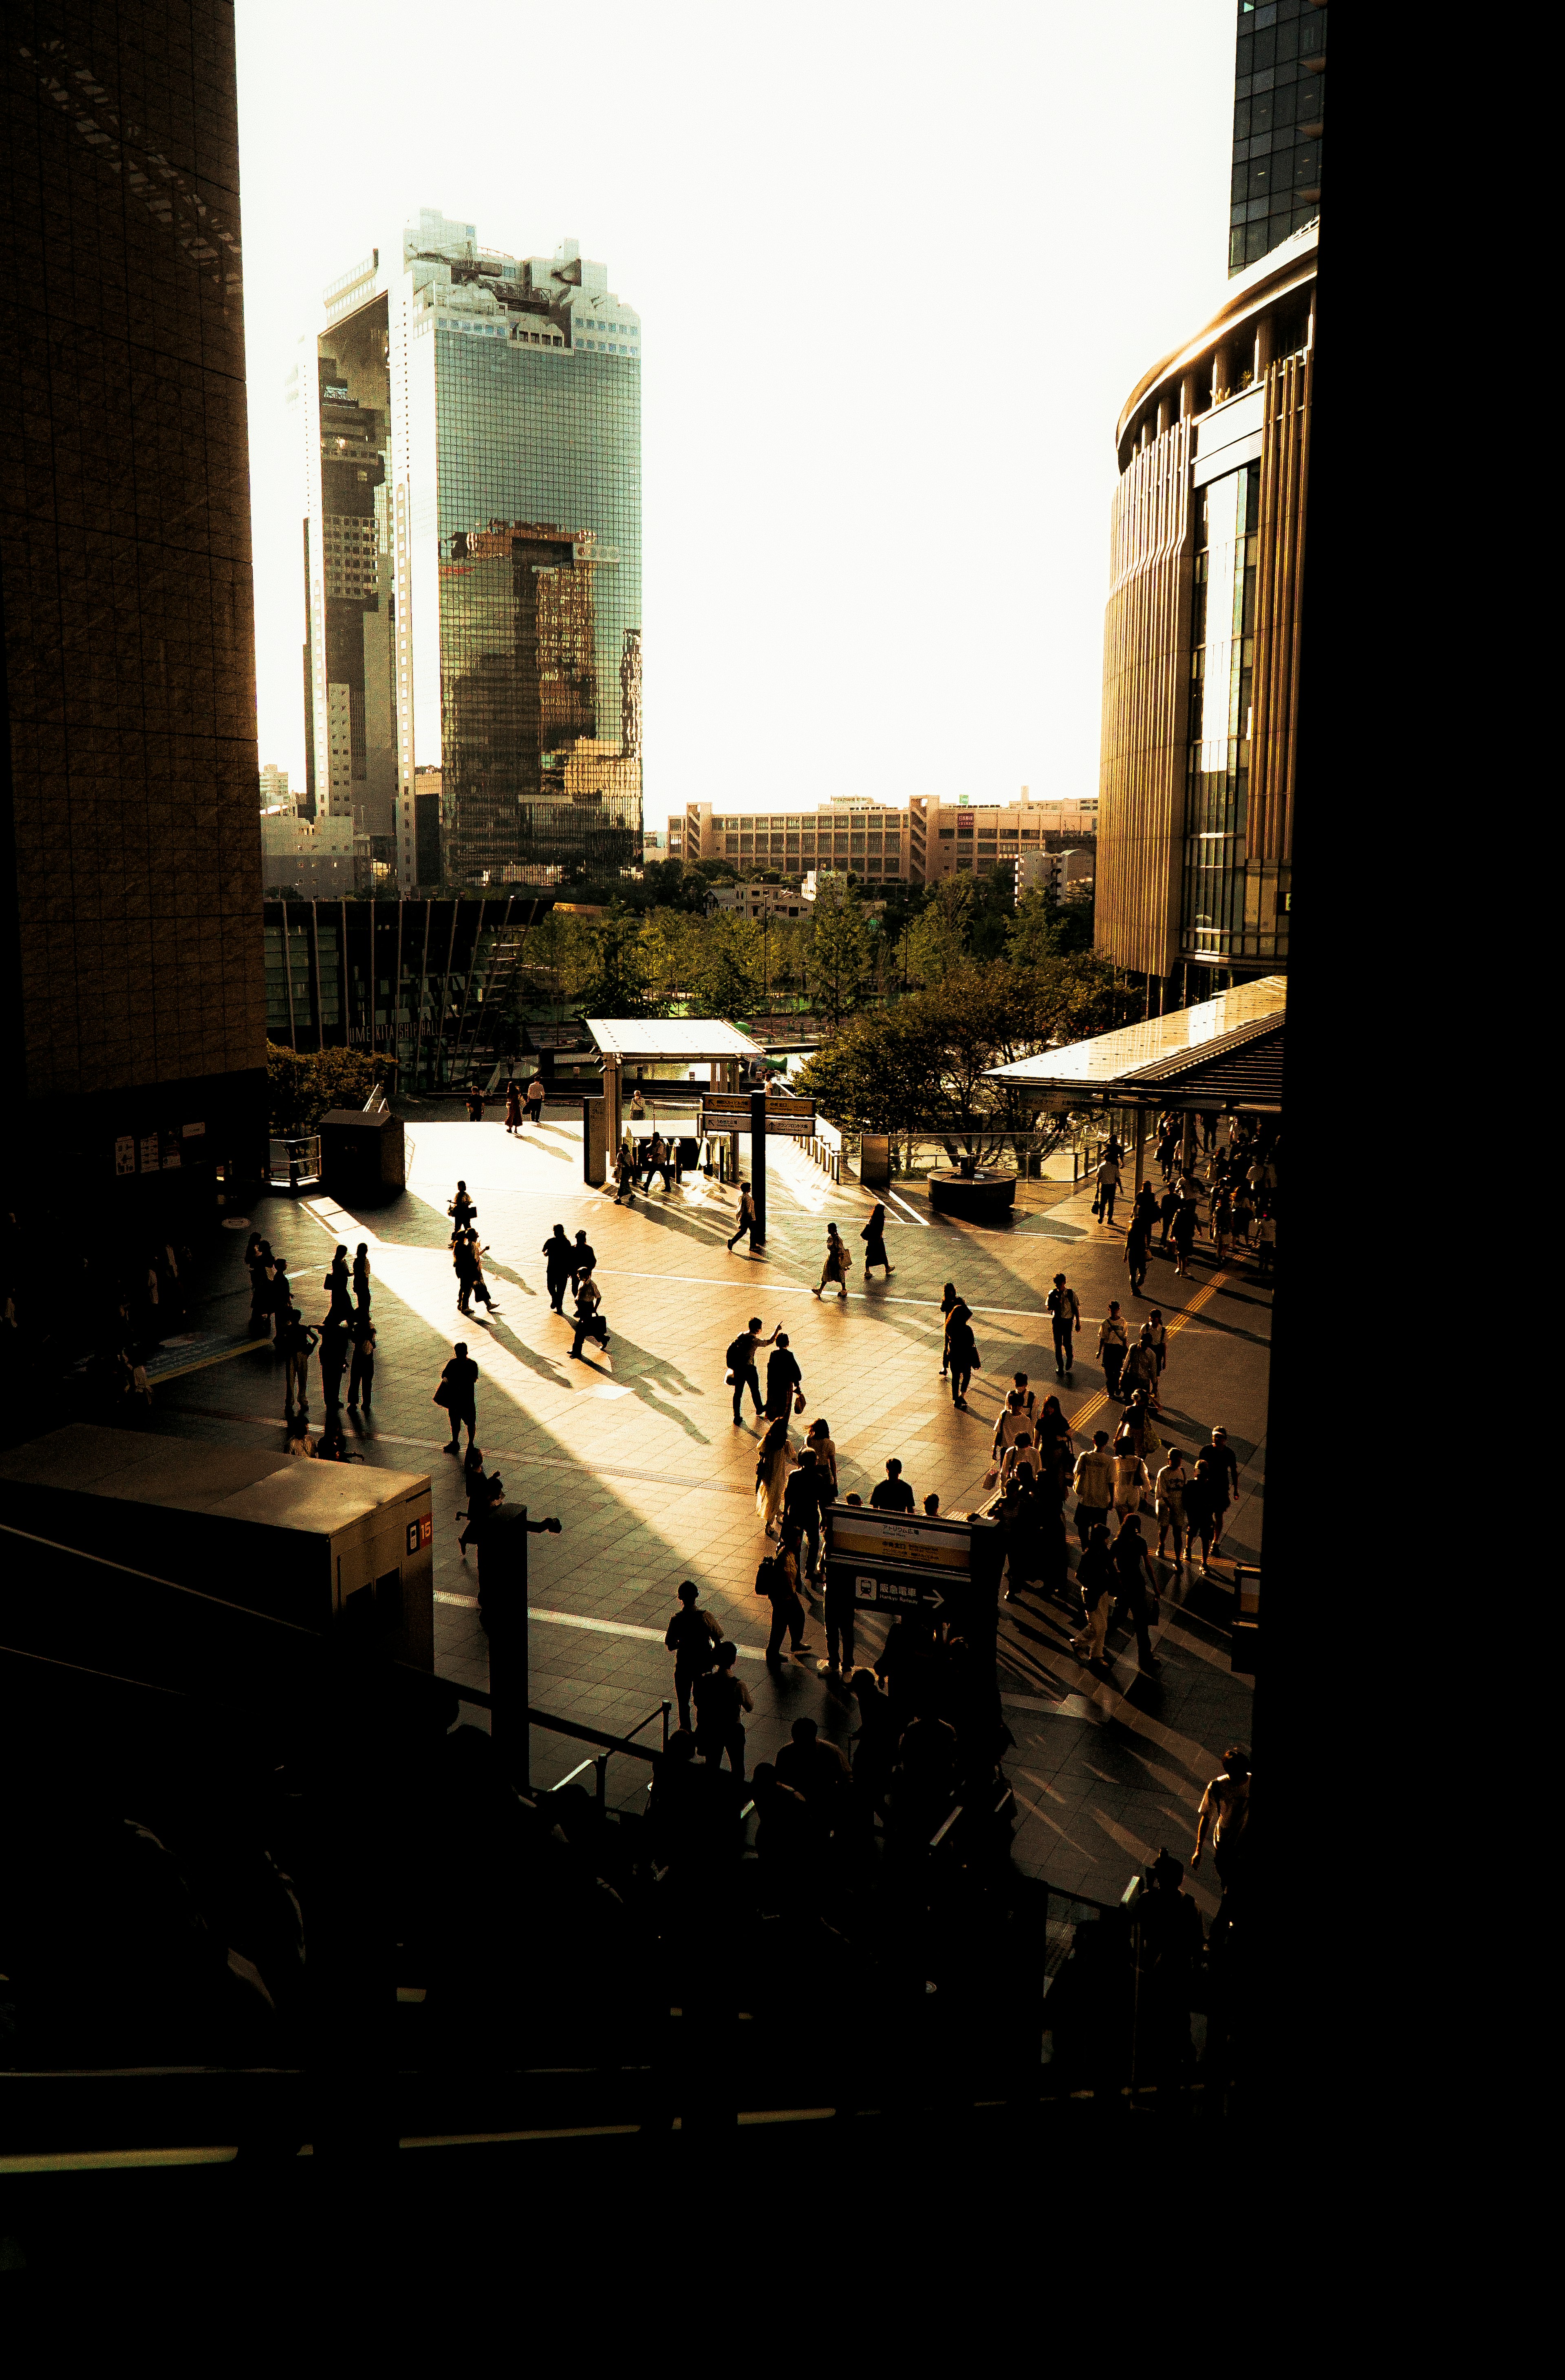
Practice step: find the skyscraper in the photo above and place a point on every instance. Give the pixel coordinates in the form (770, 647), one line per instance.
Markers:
(1278, 125)
(472, 547)
(130, 855)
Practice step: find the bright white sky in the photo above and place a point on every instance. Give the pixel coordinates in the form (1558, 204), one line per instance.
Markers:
(876, 526)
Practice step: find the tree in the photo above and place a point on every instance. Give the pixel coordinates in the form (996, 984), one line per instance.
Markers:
(726, 975)
(1044, 928)
(302, 1085)
(617, 982)
(838, 949)
(937, 940)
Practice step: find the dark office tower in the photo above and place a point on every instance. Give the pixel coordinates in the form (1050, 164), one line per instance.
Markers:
(129, 910)
(1278, 125)
(472, 437)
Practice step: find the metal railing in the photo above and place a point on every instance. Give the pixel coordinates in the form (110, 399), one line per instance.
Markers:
(599, 1761)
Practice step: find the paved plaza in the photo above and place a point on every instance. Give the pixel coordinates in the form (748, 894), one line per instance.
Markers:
(635, 1450)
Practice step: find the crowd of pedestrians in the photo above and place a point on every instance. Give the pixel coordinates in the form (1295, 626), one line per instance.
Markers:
(1234, 1177)
(342, 1341)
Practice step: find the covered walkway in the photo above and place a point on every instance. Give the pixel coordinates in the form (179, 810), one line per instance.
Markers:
(1224, 1054)
(735, 1060)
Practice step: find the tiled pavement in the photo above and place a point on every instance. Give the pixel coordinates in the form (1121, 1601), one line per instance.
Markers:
(636, 1451)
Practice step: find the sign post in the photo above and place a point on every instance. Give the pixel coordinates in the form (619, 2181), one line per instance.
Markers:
(905, 1561)
(757, 1166)
(503, 1615)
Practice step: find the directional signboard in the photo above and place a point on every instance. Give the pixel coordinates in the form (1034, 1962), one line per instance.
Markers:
(903, 1561)
(731, 1111)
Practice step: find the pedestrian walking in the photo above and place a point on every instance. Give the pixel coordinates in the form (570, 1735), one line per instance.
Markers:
(961, 1351)
(819, 1436)
(1140, 1368)
(1224, 1814)
(557, 1267)
(1095, 1580)
(893, 1493)
(281, 1290)
(258, 1263)
(584, 1259)
(1138, 1602)
(590, 1320)
(1265, 1240)
(465, 1264)
(478, 1284)
(807, 1489)
(874, 1238)
(721, 1698)
(512, 1106)
(1011, 1420)
(693, 1637)
(536, 1095)
(774, 1460)
(459, 1393)
(333, 1351)
(949, 1300)
(1186, 1224)
(1158, 1340)
(295, 1344)
(624, 1172)
(484, 1495)
(1055, 1442)
(461, 1209)
(338, 1287)
(1200, 1515)
(1114, 1344)
(361, 1379)
(1130, 1481)
(745, 1220)
(1107, 1185)
(1066, 1315)
(1168, 1498)
(784, 1381)
(1225, 1469)
(1138, 1250)
(741, 1362)
(778, 1579)
(361, 1280)
(837, 1263)
(838, 1610)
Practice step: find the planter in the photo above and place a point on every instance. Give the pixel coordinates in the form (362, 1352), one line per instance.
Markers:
(985, 1195)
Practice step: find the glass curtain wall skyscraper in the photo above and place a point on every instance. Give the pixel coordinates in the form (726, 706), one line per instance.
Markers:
(471, 425)
(1278, 125)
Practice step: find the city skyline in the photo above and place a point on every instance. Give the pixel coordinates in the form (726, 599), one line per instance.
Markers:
(816, 364)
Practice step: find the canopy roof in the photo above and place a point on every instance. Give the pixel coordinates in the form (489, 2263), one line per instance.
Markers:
(1222, 1052)
(692, 1038)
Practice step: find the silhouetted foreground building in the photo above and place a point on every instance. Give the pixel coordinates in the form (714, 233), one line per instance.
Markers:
(131, 865)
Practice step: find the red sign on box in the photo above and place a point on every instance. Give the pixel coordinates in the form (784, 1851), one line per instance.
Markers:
(420, 1533)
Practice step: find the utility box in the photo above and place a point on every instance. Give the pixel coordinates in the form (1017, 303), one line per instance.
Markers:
(363, 1153)
(305, 1541)
(595, 1141)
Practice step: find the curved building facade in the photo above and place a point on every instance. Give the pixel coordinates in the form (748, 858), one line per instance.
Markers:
(1201, 645)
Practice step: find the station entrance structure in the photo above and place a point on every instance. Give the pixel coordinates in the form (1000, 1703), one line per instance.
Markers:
(1223, 1055)
(737, 1064)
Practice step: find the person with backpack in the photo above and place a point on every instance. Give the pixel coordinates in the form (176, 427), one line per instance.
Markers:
(777, 1578)
(693, 1638)
(741, 1363)
(722, 1697)
(1113, 1343)
(745, 1220)
(1066, 1315)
